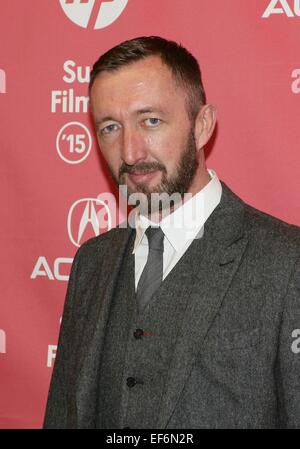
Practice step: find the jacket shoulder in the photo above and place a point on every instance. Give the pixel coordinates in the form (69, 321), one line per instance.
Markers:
(271, 228)
(267, 232)
(103, 239)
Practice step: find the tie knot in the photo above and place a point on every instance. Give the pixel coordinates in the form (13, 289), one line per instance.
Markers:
(155, 238)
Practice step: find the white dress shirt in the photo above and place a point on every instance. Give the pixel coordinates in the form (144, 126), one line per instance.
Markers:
(180, 227)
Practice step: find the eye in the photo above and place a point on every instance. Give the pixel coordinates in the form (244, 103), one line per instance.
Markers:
(109, 129)
(152, 122)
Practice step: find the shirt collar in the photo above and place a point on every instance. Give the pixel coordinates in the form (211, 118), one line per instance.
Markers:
(188, 220)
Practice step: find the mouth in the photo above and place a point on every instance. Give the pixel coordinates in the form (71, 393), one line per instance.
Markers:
(138, 177)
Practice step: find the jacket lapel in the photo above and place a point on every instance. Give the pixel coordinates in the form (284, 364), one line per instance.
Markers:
(219, 254)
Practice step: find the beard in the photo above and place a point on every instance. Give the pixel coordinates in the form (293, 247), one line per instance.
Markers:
(173, 185)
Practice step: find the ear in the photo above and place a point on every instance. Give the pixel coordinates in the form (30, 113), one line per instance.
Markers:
(205, 124)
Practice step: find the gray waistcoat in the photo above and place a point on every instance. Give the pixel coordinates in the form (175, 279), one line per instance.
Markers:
(133, 369)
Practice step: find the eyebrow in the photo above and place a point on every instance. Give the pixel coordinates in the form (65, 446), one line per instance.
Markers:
(148, 110)
(145, 110)
(107, 118)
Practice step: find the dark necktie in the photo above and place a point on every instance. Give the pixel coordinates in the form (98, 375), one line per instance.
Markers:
(152, 275)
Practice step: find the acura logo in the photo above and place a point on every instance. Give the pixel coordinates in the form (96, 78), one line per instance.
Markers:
(88, 217)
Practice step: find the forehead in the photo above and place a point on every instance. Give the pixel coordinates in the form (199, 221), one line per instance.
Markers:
(142, 81)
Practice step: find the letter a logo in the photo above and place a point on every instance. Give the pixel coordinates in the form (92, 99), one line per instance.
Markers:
(273, 9)
(2, 82)
(93, 13)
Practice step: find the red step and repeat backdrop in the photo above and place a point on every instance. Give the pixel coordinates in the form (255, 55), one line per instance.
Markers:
(51, 172)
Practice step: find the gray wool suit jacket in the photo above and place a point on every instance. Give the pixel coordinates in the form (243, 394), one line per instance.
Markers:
(236, 362)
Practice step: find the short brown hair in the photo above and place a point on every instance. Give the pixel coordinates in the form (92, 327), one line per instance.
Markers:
(182, 63)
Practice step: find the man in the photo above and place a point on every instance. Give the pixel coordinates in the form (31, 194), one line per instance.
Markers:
(176, 323)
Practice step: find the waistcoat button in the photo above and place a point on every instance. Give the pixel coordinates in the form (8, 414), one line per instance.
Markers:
(138, 333)
(131, 381)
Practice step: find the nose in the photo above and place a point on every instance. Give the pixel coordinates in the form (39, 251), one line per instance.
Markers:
(133, 147)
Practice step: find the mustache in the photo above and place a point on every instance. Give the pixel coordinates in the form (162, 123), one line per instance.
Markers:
(143, 168)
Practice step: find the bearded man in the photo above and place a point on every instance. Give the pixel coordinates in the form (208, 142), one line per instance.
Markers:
(175, 322)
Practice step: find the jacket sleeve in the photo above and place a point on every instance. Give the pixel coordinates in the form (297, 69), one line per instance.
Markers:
(289, 356)
(56, 415)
